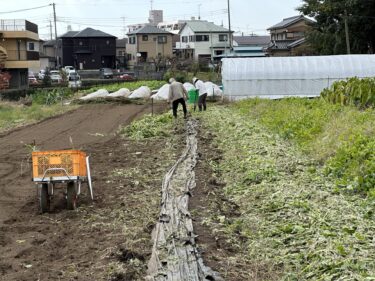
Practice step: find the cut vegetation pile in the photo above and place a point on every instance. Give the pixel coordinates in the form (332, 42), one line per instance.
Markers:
(281, 163)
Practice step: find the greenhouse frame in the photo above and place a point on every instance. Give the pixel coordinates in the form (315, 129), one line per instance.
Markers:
(279, 77)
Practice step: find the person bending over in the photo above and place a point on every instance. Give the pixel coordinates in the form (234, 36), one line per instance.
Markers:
(199, 85)
(177, 94)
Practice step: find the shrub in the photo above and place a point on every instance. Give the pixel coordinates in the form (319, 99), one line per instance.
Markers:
(354, 91)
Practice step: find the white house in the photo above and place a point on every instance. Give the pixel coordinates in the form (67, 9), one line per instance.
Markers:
(202, 41)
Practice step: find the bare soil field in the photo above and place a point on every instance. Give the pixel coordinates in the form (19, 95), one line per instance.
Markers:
(85, 244)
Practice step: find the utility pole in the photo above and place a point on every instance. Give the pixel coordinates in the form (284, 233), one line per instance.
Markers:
(50, 30)
(347, 32)
(54, 19)
(230, 29)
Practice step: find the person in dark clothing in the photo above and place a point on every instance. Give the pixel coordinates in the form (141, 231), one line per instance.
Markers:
(177, 95)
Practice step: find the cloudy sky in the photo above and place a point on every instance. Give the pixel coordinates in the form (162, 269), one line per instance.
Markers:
(248, 16)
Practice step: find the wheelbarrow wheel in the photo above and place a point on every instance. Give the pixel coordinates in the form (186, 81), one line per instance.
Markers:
(44, 200)
(71, 197)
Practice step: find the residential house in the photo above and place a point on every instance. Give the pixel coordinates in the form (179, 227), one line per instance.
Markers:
(121, 55)
(173, 27)
(202, 41)
(48, 55)
(19, 50)
(252, 41)
(149, 43)
(249, 46)
(288, 37)
(86, 49)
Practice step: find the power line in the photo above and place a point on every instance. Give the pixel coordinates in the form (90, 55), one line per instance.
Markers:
(23, 10)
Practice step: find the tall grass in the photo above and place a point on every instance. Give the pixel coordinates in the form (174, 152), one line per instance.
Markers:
(340, 138)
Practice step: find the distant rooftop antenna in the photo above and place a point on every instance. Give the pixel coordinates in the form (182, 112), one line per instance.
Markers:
(152, 4)
(199, 11)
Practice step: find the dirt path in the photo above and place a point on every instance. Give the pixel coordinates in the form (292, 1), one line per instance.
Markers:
(87, 125)
(90, 243)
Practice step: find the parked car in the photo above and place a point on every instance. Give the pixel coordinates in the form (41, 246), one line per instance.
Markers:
(32, 79)
(127, 77)
(69, 68)
(74, 80)
(55, 77)
(106, 73)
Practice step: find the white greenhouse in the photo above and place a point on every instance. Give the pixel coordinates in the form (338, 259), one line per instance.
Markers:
(279, 77)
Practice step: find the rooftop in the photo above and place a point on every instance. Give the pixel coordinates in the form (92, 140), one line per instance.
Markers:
(252, 40)
(87, 32)
(205, 26)
(149, 29)
(289, 21)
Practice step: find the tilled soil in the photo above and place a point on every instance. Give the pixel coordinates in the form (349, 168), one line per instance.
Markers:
(84, 244)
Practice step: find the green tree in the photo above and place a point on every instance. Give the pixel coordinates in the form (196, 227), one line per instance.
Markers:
(327, 35)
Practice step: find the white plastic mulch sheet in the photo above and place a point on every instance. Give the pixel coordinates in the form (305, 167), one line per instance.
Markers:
(121, 93)
(188, 86)
(98, 94)
(143, 92)
(162, 94)
(174, 255)
(213, 89)
(279, 77)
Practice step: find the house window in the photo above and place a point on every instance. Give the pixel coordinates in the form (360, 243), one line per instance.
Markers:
(31, 46)
(120, 53)
(184, 39)
(202, 38)
(132, 40)
(223, 37)
(191, 38)
(162, 39)
(145, 38)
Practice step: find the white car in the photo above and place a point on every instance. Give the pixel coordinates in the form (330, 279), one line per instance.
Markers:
(55, 76)
(74, 80)
(68, 68)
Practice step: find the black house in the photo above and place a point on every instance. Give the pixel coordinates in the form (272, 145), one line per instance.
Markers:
(87, 49)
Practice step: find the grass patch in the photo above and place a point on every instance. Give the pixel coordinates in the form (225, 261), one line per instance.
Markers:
(341, 138)
(292, 218)
(149, 127)
(13, 115)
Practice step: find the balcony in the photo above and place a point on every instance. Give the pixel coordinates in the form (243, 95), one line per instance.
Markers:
(18, 25)
(14, 55)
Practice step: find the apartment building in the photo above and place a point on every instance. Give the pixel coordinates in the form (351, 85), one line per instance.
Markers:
(19, 50)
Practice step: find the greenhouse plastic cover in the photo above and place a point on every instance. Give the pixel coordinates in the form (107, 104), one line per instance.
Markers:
(213, 89)
(98, 94)
(279, 77)
(123, 92)
(188, 86)
(162, 94)
(143, 92)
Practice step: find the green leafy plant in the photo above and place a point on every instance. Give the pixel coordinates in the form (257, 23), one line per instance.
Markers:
(354, 91)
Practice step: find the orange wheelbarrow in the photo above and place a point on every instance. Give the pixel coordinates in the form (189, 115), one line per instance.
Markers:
(60, 166)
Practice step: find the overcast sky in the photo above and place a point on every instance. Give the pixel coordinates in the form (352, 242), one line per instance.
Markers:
(248, 16)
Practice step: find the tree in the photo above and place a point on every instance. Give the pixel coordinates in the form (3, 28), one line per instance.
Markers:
(4, 80)
(327, 35)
